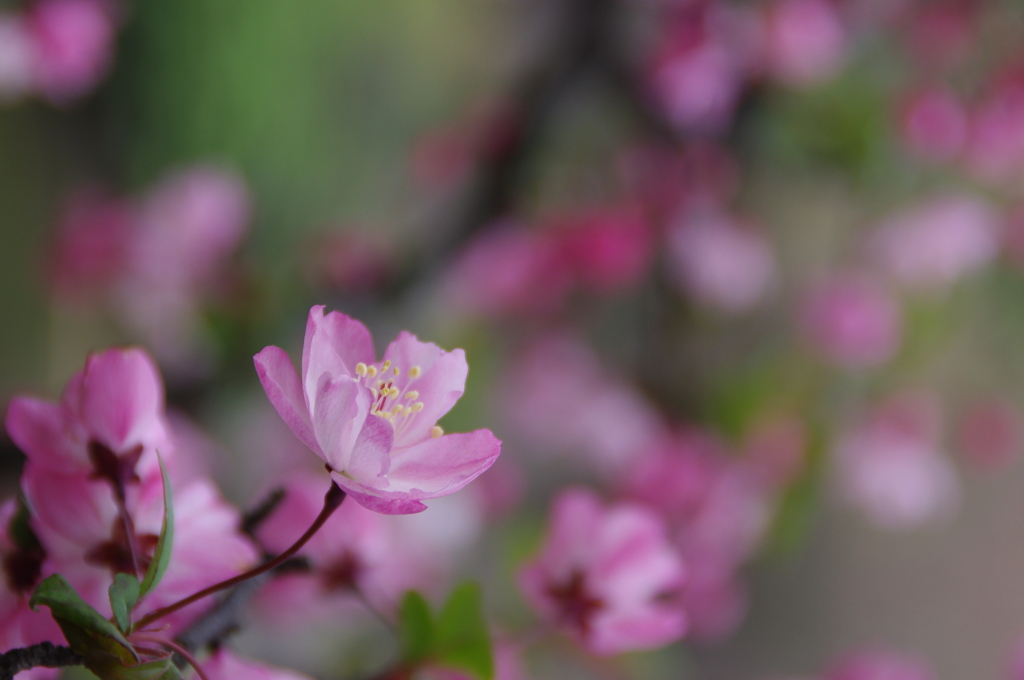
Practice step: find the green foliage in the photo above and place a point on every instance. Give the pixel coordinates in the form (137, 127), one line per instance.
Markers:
(124, 593)
(162, 553)
(457, 638)
(88, 633)
(462, 640)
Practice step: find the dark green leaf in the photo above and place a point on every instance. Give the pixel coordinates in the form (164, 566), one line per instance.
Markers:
(162, 553)
(415, 627)
(86, 630)
(461, 638)
(124, 593)
(161, 669)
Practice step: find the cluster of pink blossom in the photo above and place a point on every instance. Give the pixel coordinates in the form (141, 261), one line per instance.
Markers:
(57, 49)
(157, 261)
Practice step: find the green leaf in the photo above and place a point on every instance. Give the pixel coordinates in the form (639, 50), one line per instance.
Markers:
(88, 633)
(415, 627)
(162, 553)
(461, 638)
(161, 669)
(124, 593)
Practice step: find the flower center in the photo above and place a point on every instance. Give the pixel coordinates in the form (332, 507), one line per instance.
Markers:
(391, 402)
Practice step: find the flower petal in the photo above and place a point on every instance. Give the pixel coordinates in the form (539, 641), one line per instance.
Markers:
(371, 455)
(341, 409)
(42, 431)
(281, 383)
(442, 381)
(387, 504)
(444, 465)
(615, 632)
(334, 344)
(122, 398)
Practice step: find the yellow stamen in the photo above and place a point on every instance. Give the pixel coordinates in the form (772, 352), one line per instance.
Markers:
(393, 392)
(436, 432)
(406, 411)
(417, 407)
(414, 372)
(371, 371)
(412, 395)
(361, 369)
(386, 366)
(396, 409)
(395, 370)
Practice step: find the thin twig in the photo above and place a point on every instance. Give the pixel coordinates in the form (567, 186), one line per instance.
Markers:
(334, 498)
(45, 654)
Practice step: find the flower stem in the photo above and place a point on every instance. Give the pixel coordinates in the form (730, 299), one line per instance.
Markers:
(175, 647)
(332, 500)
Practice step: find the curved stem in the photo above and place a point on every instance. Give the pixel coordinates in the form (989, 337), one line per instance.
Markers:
(332, 500)
(176, 648)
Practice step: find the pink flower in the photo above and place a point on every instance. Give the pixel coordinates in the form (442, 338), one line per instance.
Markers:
(995, 148)
(540, 398)
(890, 467)
(74, 44)
(509, 270)
(608, 249)
(934, 124)
(224, 665)
(930, 246)
(880, 664)
(110, 417)
(805, 41)
(77, 521)
(720, 262)
(601, 573)
(990, 433)
(373, 423)
(93, 237)
(852, 321)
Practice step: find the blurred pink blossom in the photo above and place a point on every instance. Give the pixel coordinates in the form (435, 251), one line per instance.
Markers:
(373, 423)
(540, 397)
(225, 665)
(995, 147)
(110, 419)
(507, 666)
(934, 124)
(889, 464)
(805, 41)
(509, 270)
(91, 250)
(73, 45)
(707, 54)
(717, 509)
(929, 246)
(608, 249)
(720, 262)
(852, 321)
(880, 664)
(602, 572)
(352, 260)
(991, 433)
(702, 176)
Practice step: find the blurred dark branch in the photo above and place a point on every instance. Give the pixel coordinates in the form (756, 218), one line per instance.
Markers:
(578, 44)
(45, 655)
(252, 519)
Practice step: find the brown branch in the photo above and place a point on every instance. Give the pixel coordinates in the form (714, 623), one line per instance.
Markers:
(45, 655)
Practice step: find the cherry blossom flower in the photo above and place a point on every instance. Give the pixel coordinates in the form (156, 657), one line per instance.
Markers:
(995, 146)
(721, 263)
(225, 665)
(931, 245)
(601, 573)
(934, 124)
(889, 465)
(374, 423)
(110, 419)
(74, 44)
(539, 398)
(805, 41)
(852, 321)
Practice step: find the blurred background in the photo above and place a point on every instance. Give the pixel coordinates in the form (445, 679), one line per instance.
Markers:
(780, 240)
